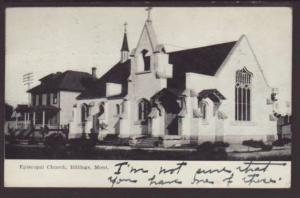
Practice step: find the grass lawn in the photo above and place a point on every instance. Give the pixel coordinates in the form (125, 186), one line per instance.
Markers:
(128, 153)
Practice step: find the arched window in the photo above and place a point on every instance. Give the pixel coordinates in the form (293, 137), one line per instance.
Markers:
(84, 112)
(203, 109)
(143, 109)
(118, 109)
(143, 61)
(101, 108)
(243, 95)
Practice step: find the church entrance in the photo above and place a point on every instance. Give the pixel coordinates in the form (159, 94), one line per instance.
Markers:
(171, 123)
(171, 108)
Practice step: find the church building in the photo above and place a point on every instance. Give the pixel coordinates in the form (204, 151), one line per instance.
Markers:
(211, 93)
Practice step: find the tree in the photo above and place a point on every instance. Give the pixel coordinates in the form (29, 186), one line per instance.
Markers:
(8, 111)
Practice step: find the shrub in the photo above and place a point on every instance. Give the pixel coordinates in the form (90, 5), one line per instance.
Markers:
(32, 141)
(55, 140)
(253, 143)
(267, 147)
(205, 146)
(221, 144)
(281, 142)
(111, 139)
(286, 140)
(258, 144)
(213, 151)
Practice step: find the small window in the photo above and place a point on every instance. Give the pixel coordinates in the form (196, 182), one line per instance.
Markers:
(203, 109)
(48, 98)
(33, 99)
(40, 99)
(54, 98)
(118, 109)
(84, 112)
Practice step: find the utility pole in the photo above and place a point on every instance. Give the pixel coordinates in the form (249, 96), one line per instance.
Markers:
(27, 81)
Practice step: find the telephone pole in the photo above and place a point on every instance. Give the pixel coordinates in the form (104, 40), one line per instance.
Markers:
(27, 81)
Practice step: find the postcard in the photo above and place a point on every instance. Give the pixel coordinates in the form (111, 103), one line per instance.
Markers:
(156, 97)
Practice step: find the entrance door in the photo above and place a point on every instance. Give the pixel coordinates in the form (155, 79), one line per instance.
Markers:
(172, 110)
(171, 124)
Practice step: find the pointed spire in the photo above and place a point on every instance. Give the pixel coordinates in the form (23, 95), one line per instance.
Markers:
(124, 48)
(125, 42)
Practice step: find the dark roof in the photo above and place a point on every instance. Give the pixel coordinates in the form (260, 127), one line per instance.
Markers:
(174, 92)
(125, 44)
(66, 81)
(202, 60)
(119, 74)
(22, 107)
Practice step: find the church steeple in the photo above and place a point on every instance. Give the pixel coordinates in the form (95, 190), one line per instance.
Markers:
(125, 48)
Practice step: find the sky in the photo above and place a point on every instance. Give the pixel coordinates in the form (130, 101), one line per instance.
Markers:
(48, 40)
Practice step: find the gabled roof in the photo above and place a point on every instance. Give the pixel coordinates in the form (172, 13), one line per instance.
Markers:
(202, 60)
(213, 94)
(66, 81)
(119, 73)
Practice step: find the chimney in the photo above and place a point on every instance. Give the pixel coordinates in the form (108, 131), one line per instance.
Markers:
(94, 69)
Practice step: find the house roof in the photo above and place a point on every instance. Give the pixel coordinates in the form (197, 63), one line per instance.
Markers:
(66, 81)
(203, 60)
(119, 74)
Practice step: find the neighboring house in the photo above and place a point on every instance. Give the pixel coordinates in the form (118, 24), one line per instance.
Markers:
(52, 101)
(212, 93)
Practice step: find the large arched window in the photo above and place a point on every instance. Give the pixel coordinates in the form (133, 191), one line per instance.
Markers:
(143, 109)
(84, 112)
(243, 95)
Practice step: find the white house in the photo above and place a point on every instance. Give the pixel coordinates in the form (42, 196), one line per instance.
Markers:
(211, 93)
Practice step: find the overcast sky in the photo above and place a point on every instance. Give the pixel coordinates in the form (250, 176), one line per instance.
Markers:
(47, 40)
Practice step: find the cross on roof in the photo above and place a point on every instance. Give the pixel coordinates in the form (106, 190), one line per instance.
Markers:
(125, 27)
(149, 13)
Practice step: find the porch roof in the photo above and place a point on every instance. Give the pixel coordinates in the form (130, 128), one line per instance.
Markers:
(26, 108)
(45, 108)
(23, 108)
(211, 92)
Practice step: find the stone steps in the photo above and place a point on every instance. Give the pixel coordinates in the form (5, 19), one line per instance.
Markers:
(149, 142)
